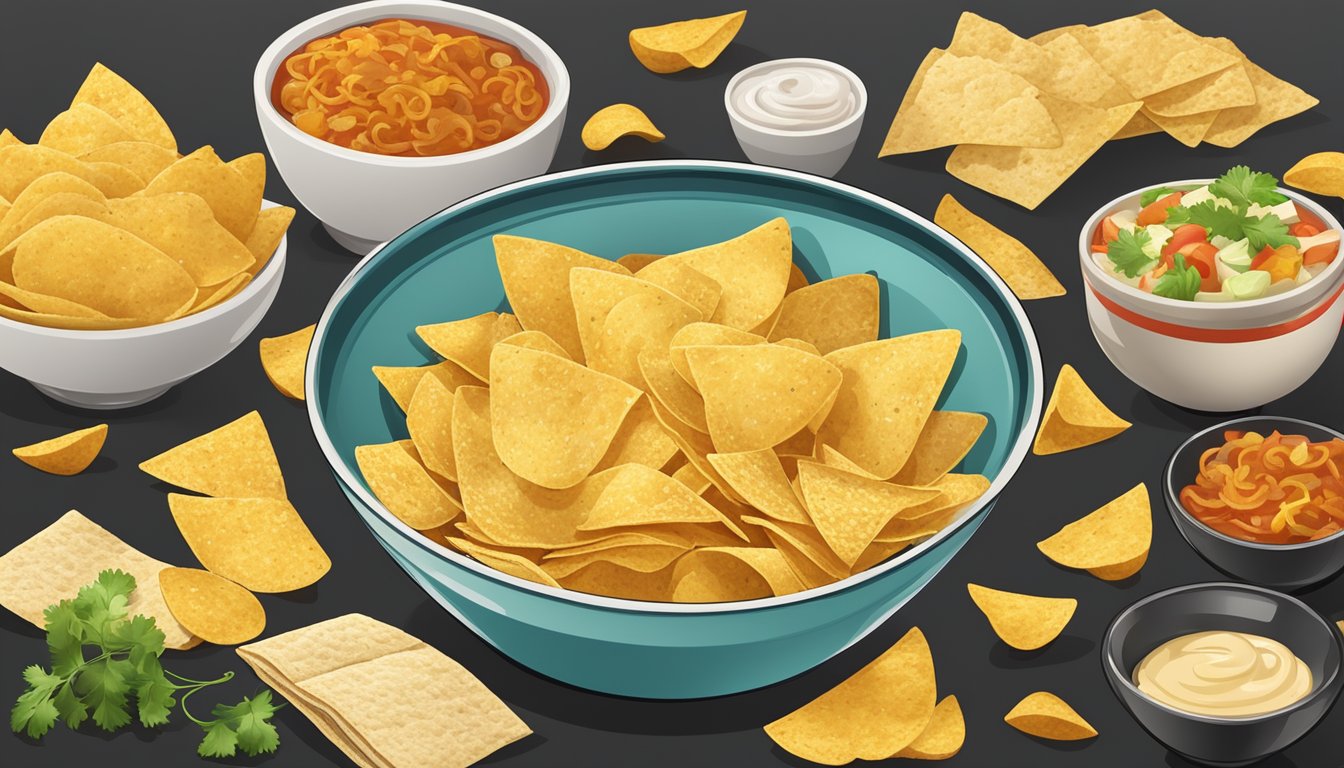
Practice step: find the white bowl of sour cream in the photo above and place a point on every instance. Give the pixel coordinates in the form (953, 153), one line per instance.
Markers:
(803, 114)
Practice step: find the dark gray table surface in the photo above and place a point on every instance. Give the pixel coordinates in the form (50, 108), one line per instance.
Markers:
(195, 61)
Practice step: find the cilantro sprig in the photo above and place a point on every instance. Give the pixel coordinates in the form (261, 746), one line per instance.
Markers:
(1180, 282)
(1241, 186)
(1127, 252)
(124, 666)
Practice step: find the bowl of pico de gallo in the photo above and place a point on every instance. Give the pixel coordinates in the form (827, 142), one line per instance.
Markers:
(1215, 294)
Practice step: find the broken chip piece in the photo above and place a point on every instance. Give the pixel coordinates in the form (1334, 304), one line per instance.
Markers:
(1046, 716)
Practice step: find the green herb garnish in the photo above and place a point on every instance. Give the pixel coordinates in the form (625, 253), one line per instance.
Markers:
(1180, 282)
(1127, 252)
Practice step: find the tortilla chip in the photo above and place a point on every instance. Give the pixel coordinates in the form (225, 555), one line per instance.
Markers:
(677, 45)
(637, 261)
(832, 314)
(1138, 125)
(849, 510)
(615, 121)
(1023, 270)
(1188, 129)
(638, 495)
(404, 486)
(1111, 543)
(640, 440)
(142, 158)
(1225, 89)
(758, 477)
(184, 228)
(602, 578)
(400, 381)
(535, 340)
(68, 454)
(1321, 173)
(56, 562)
(233, 199)
(671, 391)
(234, 460)
(1074, 417)
(505, 562)
(429, 421)
(468, 342)
(943, 737)
(267, 233)
(212, 607)
(1026, 622)
(945, 440)
(104, 89)
(691, 286)
(1046, 716)
(285, 360)
(1275, 100)
(81, 128)
(21, 164)
(877, 712)
(1128, 47)
(705, 334)
(261, 544)
(727, 574)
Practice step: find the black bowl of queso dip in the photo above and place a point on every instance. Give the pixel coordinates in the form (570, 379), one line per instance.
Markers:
(1224, 674)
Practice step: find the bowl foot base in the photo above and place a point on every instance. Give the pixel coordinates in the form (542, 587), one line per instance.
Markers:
(100, 401)
(351, 243)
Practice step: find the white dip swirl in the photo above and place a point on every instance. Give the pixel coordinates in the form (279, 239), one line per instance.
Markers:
(795, 97)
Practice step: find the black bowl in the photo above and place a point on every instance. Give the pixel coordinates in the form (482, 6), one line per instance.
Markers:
(1158, 618)
(1285, 566)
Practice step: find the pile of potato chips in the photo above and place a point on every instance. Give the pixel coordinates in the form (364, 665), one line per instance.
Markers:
(103, 225)
(699, 427)
(1026, 113)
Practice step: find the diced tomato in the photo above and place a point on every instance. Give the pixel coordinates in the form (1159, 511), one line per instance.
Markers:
(1156, 211)
(1303, 229)
(1109, 231)
(1262, 257)
(1307, 217)
(1321, 254)
(1099, 248)
(1201, 256)
(1183, 236)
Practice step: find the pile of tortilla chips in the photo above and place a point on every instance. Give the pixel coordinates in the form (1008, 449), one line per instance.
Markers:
(104, 226)
(706, 428)
(1026, 113)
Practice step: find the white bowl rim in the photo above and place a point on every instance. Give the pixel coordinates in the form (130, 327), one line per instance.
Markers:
(860, 107)
(1210, 308)
(448, 13)
(254, 287)
(1017, 453)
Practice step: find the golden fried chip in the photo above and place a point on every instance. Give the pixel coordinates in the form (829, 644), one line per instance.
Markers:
(601, 578)
(553, 419)
(635, 324)
(400, 381)
(612, 122)
(261, 544)
(902, 376)
(1127, 47)
(285, 360)
(640, 559)
(1187, 129)
(1047, 716)
(943, 737)
(1275, 100)
(758, 477)
(97, 322)
(806, 543)
(1321, 173)
(212, 607)
(21, 164)
(104, 89)
(210, 295)
(945, 440)
(53, 306)
(142, 158)
(68, 454)
(596, 293)
(671, 391)
(1026, 622)
(535, 340)
(640, 440)
(234, 460)
(877, 712)
(677, 45)
(82, 128)
(429, 420)
(404, 486)
(637, 261)
(690, 285)
(1225, 89)
(956, 491)
(8, 139)
(21, 221)
(269, 230)
(468, 342)
(1024, 272)
(1111, 543)
(849, 510)
(705, 334)
(1074, 417)
(832, 314)
(727, 574)
(637, 495)
(505, 562)
(231, 197)
(1138, 125)
(691, 477)
(183, 227)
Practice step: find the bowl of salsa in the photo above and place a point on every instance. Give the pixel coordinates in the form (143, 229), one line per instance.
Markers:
(1262, 498)
(382, 113)
(1217, 294)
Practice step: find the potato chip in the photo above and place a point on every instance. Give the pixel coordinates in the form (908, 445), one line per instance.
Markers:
(970, 100)
(553, 419)
(260, 543)
(68, 454)
(758, 477)
(231, 197)
(727, 574)
(234, 460)
(1111, 543)
(945, 440)
(400, 381)
(81, 128)
(691, 286)
(1024, 272)
(757, 396)
(183, 227)
(1127, 47)
(942, 737)
(832, 314)
(705, 334)
(637, 261)
(1027, 176)
(269, 230)
(57, 561)
(1321, 173)
(1275, 100)
(1026, 622)
(536, 280)
(142, 158)
(535, 340)
(849, 510)
(505, 562)
(677, 45)
(403, 486)
(902, 376)
(104, 89)
(468, 342)
(615, 121)
(1074, 417)
(1046, 716)
(72, 257)
(596, 293)
(752, 268)
(877, 712)
(212, 607)
(640, 440)
(285, 360)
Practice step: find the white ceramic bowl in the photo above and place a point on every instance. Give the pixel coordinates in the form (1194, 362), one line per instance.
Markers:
(118, 369)
(364, 199)
(1213, 356)
(822, 151)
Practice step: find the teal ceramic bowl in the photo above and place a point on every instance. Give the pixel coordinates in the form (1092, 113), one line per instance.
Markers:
(444, 268)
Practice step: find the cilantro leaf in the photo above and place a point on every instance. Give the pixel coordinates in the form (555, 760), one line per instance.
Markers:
(1242, 186)
(1127, 253)
(1268, 230)
(250, 719)
(33, 714)
(220, 741)
(1153, 195)
(72, 709)
(1180, 282)
(1217, 219)
(104, 686)
(65, 638)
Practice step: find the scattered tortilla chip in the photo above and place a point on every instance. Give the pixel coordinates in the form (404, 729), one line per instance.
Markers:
(104, 89)
(234, 460)
(468, 342)
(902, 376)
(1023, 270)
(212, 607)
(1112, 543)
(285, 360)
(1074, 417)
(1321, 173)
(400, 381)
(1138, 125)
(1275, 100)
(68, 454)
(677, 45)
(142, 158)
(71, 552)
(183, 227)
(1225, 89)
(611, 123)
(1188, 129)
(943, 737)
(261, 544)
(1127, 47)
(849, 510)
(832, 314)
(232, 198)
(505, 562)
(1046, 716)
(1026, 622)
(403, 485)
(877, 712)
(758, 477)
(727, 574)
(945, 440)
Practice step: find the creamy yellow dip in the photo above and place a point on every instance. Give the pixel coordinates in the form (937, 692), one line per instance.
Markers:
(1224, 674)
